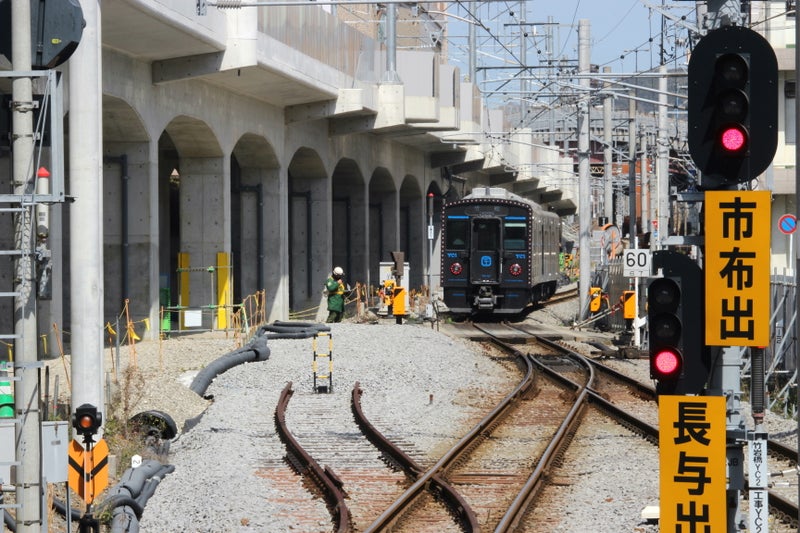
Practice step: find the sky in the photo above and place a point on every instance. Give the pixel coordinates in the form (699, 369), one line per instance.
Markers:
(617, 28)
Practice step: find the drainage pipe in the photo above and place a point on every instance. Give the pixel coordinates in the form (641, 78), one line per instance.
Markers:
(258, 190)
(122, 161)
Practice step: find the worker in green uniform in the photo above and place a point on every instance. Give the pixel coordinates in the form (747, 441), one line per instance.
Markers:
(336, 288)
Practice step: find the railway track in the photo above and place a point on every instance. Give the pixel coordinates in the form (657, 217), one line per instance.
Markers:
(492, 464)
(504, 474)
(561, 297)
(430, 492)
(782, 499)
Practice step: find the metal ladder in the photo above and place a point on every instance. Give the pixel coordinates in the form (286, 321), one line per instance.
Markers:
(8, 381)
(323, 382)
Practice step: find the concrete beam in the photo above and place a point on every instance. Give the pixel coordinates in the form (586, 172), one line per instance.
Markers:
(181, 68)
(349, 103)
(502, 177)
(561, 207)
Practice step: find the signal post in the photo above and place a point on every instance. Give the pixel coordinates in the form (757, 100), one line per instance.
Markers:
(733, 126)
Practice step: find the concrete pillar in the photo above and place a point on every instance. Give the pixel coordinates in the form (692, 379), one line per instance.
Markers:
(126, 193)
(203, 197)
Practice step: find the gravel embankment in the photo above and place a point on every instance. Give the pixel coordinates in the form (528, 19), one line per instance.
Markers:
(421, 382)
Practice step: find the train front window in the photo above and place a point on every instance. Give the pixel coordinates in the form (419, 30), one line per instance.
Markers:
(486, 233)
(514, 237)
(456, 232)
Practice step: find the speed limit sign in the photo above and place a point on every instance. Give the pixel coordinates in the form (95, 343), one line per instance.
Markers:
(637, 263)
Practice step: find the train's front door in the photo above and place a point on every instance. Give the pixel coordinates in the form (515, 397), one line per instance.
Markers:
(485, 257)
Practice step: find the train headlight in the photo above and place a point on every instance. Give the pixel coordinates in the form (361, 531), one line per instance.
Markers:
(456, 269)
(515, 269)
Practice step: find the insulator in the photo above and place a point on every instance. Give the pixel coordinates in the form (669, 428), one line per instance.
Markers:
(229, 4)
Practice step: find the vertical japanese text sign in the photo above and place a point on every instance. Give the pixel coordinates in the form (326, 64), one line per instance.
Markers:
(737, 267)
(692, 463)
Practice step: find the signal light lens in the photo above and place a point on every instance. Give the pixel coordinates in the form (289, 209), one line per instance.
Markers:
(732, 68)
(665, 328)
(515, 269)
(666, 364)
(733, 138)
(86, 422)
(456, 269)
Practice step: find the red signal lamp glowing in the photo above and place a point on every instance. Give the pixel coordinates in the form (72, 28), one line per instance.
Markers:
(667, 364)
(85, 422)
(733, 138)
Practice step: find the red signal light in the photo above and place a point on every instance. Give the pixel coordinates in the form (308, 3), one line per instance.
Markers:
(456, 269)
(733, 138)
(666, 364)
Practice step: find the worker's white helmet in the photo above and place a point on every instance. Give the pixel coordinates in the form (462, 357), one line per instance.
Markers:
(337, 271)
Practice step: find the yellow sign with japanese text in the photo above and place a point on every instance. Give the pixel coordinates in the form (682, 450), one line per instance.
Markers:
(737, 261)
(692, 452)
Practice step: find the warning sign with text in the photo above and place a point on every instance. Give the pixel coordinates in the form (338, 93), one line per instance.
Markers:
(692, 463)
(737, 267)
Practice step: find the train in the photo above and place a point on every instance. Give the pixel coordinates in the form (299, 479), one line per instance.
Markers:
(500, 253)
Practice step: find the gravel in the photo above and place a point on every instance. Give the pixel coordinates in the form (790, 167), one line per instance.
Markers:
(420, 379)
(426, 381)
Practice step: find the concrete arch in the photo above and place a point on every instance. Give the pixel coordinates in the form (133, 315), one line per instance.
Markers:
(383, 220)
(192, 137)
(255, 219)
(128, 264)
(349, 220)
(309, 229)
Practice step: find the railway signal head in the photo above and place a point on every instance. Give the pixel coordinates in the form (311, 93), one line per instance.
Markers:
(733, 106)
(675, 318)
(87, 421)
(664, 309)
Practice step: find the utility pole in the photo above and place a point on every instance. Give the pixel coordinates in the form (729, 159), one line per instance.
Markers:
(645, 182)
(661, 215)
(86, 213)
(584, 190)
(471, 45)
(608, 176)
(725, 24)
(27, 478)
(795, 234)
(632, 171)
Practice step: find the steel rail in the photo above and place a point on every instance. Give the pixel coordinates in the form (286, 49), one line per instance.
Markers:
(324, 478)
(788, 510)
(555, 448)
(441, 488)
(395, 511)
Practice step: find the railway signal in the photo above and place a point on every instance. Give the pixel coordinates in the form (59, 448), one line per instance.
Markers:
(87, 421)
(675, 317)
(732, 106)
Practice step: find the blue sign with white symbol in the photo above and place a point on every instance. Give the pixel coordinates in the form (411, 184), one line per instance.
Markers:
(486, 261)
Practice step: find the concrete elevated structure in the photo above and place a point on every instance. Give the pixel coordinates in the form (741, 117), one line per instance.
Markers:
(274, 142)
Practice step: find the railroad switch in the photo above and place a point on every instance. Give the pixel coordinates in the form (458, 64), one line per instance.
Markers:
(323, 382)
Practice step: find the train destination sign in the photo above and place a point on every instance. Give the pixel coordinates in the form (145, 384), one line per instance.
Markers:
(692, 463)
(737, 268)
